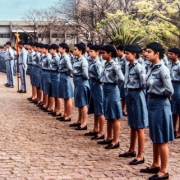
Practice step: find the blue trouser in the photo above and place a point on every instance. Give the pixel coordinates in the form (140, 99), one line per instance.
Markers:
(9, 72)
(22, 77)
(15, 67)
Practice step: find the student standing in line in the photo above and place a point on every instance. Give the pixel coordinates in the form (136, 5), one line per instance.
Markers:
(174, 67)
(22, 66)
(111, 76)
(65, 86)
(45, 75)
(122, 62)
(135, 80)
(81, 86)
(96, 91)
(159, 91)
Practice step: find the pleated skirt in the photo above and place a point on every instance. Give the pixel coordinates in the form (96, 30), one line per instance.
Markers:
(46, 82)
(81, 91)
(96, 99)
(55, 80)
(65, 86)
(160, 120)
(175, 103)
(112, 104)
(122, 90)
(137, 109)
(37, 76)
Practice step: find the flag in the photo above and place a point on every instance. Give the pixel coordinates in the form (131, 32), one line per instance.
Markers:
(17, 40)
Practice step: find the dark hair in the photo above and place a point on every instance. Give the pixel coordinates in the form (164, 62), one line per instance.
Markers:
(81, 47)
(110, 49)
(64, 46)
(120, 47)
(89, 45)
(94, 47)
(21, 43)
(53, 46)
(161, 54)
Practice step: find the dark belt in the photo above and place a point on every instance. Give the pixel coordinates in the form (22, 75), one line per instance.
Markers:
(20, 63)
(46, 70)
(110, 83)
(177, 82)
(156, 96)
(94, 80)
(133, 89)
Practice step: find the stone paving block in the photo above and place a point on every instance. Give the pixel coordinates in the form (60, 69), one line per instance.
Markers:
(35, 146)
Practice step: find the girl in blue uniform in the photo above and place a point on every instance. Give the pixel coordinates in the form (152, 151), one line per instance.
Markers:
(45, 75)
(96, 89)
(65, 86)
(159, 90)
(174, 67)
(53, 106)
(135, 78)
(122, 62)
(81, 86)
(111, 76)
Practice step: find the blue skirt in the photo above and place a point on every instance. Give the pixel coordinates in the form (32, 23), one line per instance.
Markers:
(37, 76)
(160, 120)
(65, 86)
(122, 90)
(112, 104)
(46, 82)
(96, 99)
(175, 103)
(55, 80)
(137, 109)
(81, 91)
(32, 75)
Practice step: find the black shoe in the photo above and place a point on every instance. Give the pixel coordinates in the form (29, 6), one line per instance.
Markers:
(7, 85)
(19, 91)
(22, 91)
(152, 170)
(125, 114)
(98, 137)
(156, 177)
(79, 128)
(131, 154)
(91, 134)
(11, 86)
(56, 115)
(42, 108)
(74, 125)
(46, 110)
(104, 142)
(29, 99)
(111, 146)
(65, 120)
(175, 134)
(135, 161)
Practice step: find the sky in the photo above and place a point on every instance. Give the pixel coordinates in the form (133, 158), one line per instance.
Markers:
(12, 10)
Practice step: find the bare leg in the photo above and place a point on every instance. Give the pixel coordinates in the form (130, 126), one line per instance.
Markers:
(141, 137)
(116, 131)
(156, 156)
(164, 156)
(79, 116)
(51, 103)
(84, 114)
(133, 138)
(178, 132)
(101, 120)
(67, 108)
(109, 131)
(34, 90)
(45, 100)
(175, 120)
(123, 102)
(58, 105)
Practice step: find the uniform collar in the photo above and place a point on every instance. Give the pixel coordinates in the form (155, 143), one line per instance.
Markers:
(134, 64)
(158, 65)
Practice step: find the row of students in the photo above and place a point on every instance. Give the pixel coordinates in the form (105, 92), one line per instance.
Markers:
(96, 85)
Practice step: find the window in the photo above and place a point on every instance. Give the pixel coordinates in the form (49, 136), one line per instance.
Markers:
(4, 35)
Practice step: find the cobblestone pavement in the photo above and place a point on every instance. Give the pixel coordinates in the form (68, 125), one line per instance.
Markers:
(34, 145)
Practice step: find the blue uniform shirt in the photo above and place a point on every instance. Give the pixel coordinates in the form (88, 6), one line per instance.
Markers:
(95, 70)
(112, 73)
(122, 62)
(46, 61)
(54, 62)
(158, 80)
(30, 57)
(9, 54)
(135, 76)
(80, 67)
(23, 57)
(65, 65)
(174, 70)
